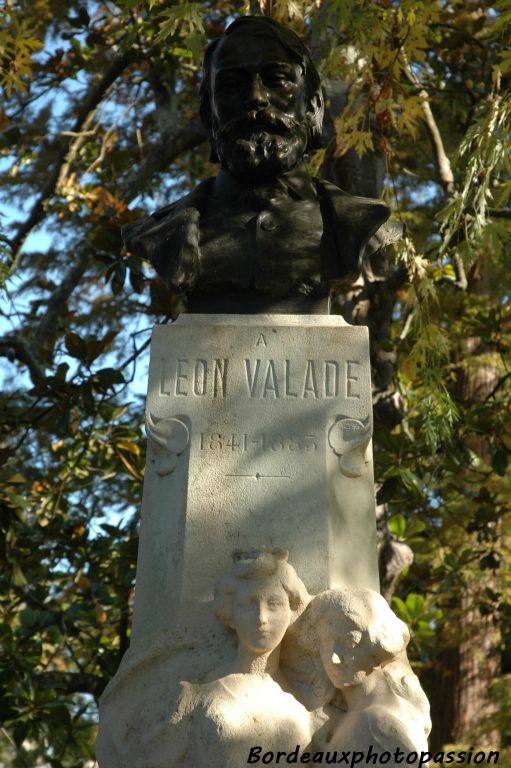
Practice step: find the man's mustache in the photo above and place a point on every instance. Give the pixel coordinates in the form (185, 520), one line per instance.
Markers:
(263, 120)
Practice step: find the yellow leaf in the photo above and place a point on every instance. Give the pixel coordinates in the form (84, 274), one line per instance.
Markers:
(411, 112)
(505, 62)
(130, 447)
(131, 469)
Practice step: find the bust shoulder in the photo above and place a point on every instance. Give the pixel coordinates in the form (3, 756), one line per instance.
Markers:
(169, 238)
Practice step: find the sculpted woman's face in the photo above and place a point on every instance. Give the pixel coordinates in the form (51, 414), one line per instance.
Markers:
(261, 614)
(346, 657)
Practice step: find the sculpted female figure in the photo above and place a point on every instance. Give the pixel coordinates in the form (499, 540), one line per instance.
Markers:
(244, 702)
(362, 646)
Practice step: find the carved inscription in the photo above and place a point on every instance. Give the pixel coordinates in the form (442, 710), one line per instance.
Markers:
(183, 377)
(264, 379)
(352, 389)
(214, 441)
(286, 379)
(261, 476)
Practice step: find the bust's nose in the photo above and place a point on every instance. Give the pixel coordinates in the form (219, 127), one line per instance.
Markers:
(257, 96)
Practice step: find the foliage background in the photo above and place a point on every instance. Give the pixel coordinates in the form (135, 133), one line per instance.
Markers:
(99, 124)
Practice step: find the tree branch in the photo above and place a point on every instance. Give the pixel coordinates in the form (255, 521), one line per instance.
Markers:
(442, 162)
(459, 235)
(14, 347)
(499, 213)
(71, 682)
(162, 154)
(69, 149)
(498, 385)
(459, 270)
(47, 328)
(171, 145)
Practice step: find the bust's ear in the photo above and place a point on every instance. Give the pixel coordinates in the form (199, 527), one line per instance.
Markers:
(315, 111)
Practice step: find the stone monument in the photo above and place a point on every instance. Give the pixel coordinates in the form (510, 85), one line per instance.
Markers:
(259, 424)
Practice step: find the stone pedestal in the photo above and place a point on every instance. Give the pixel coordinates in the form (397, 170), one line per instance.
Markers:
(259, 435)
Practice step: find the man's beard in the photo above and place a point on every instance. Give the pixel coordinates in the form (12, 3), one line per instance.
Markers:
(261, 144)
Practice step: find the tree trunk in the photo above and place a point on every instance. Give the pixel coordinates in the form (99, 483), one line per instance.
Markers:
(462, 705)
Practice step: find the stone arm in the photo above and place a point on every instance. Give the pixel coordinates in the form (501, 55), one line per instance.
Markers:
(169, 743)
(388, 733)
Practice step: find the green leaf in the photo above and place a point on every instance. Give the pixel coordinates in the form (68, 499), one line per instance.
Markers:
(118, 278)
(500, 461)
(186, 16)
(387, 491)
(107, 378)
(401, 609)
(413, 527)
(75, 346)
(18, 577)
(397, 524)
(415, 606)
(491, 561)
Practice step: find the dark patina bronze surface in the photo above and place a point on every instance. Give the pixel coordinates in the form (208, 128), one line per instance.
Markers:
(263, 236)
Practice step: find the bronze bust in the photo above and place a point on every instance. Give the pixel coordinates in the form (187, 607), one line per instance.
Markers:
(262, 236)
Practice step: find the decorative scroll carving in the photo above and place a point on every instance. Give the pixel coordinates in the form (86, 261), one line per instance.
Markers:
(349, 439)
(169, 438)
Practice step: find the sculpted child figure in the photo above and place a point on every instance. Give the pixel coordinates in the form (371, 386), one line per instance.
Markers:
(244, 702)
(374, 697)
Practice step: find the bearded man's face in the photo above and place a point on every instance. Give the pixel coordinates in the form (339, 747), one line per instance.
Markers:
(259, 105)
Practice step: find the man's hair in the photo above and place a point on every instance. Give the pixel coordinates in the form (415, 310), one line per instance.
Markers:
(291, 43)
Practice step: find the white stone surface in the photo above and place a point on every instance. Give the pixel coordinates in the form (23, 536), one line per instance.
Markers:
(153, 717)
(320, 674)
(348, 649)
(259, 439)
(259, 433)
(244, 701)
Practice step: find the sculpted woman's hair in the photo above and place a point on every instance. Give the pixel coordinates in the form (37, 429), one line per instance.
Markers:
(342, 610)
(336, 613)
(258, 565)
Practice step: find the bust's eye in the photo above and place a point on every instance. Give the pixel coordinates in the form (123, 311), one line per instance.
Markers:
(276, 79)
(229, 81)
